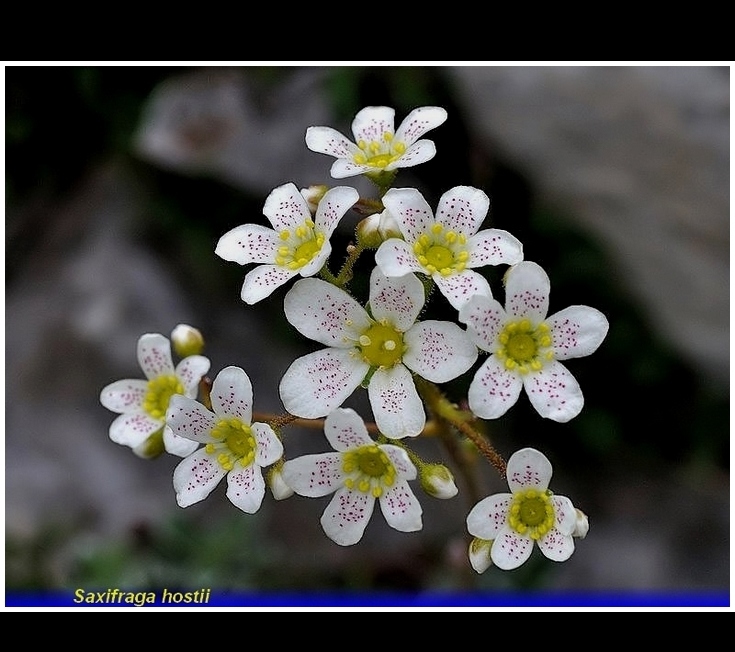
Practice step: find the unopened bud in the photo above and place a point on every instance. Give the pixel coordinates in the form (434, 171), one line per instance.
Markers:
(376, 229)
(582, 526)
(479, 553)
(438, 481)
(277, 484)
(313, 195)
(152, 447)
(187, 341)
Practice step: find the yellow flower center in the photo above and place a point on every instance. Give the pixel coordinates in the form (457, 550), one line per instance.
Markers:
(299, 246)
(381, 345)
(234, 442)
(525, 347)
(531, 513)
(442, 250)
(159, 393)
(368, 470)
(379, 154)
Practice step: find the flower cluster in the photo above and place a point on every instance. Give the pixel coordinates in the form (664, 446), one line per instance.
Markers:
(383, 343)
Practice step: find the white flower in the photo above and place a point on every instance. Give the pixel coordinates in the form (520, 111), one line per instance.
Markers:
(526, 347)
(447, 246)
(377, 148)
(295, 245)
(233, 445)
(389, 343)
(142, 404)
(359, 472)
(513, 521)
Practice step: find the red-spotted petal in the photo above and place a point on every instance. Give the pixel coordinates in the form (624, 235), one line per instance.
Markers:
(188, 418)
(400, 461)
(232, 394)
(314, 475)
(269, 448)
(345, 430)
(190, 371)
(124, 396)
(418, 122)
(347, 515)
(459, 288)
(397, 407)
(420, 152)
(438, 350)
(494, 389)
(494, 247)
(485, 318)
(263, 280)
(410, 210)
(396, 258)
(577, 331)
(248, 243)
(463, 209)
(325, 140)
(246, 487)
(286, 207)
(510, 549)
(134, 428)
(401, 508)
(489, 516)
(372, 123)
(154, 355)
(556, 546)
(554, 392)
(528, 469)
(398, 300)
(335, 203)
(195, 477)
(527, 291)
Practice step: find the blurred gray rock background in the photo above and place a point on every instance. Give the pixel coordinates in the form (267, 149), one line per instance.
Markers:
(615, 178)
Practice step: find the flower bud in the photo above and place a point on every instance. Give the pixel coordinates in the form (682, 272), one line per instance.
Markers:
(278, 486)
(187, 341)
(479, 553)
(437, 481)
(582, 526)
(313, 195)
(376, 229)
(152, 447)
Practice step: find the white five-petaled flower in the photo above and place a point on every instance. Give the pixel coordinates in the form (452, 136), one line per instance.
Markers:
(511, 522)
(295, 245)
(233, 445)
(358, 473)
(448, 245)
(526, 347)
(377, 147)
(142, 404)
(388, 343)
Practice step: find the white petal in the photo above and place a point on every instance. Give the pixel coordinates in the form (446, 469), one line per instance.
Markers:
(190, 371)
(314, 475)
(420, 152)
(124, 395)
(556, 546)
(529, 469)
(325, 313)
(248, 243)
(479, 554)
(410, 210)
(261, 281)
(176, 445)
(396, 258)
(314, 266)
(527, 291)
(154, 355)
(319, 382)
(489, 516)
(438, 350)
(335, 203)
(493, 390)
(460, 287)
(566, 516)
(269, 447)
(554, 392)
(401, 508)
(400, 460)
(510, 549)
(494, 247)
(463, 209)
(325, 140)
(397, 299)
(418, 122)
(343, 168)
(232, 395)
(195, 477)
(246, 487)
(134, 428)
(347, 515)
(485, 318)
(286, 207)
(577, 331)
(397, 407)
(372, 122)
(345, 429)
(190, 419)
